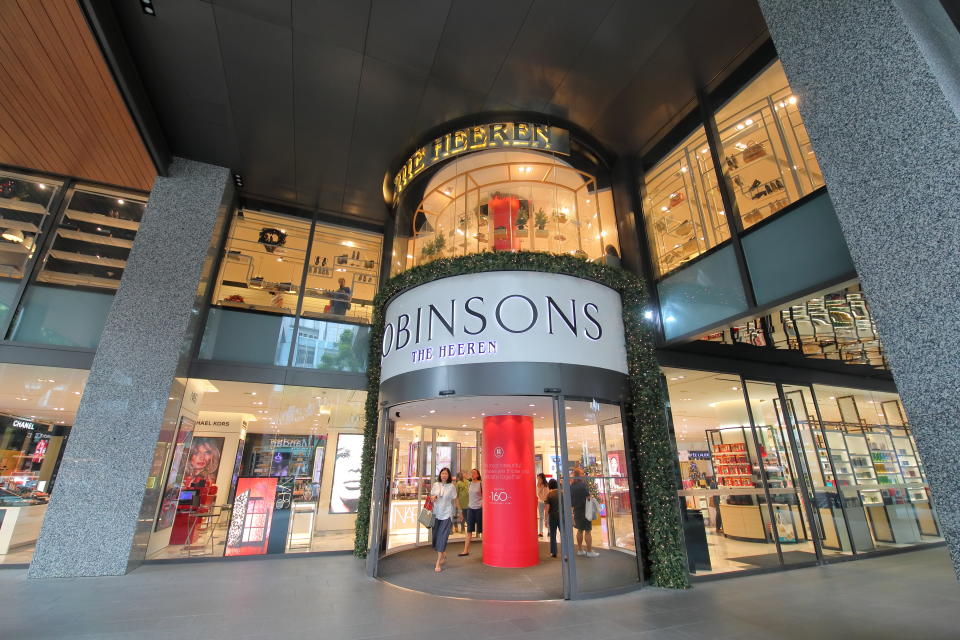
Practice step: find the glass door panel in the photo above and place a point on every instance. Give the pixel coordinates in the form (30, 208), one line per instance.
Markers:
(404, 478)
(789, 526)
(604, 556)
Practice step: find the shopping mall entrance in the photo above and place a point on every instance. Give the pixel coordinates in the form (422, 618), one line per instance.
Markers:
(509, 440)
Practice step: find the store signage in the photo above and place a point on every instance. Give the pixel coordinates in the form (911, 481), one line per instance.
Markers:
(504, 316)
(520, 135)
(23, 424)
(699, 455)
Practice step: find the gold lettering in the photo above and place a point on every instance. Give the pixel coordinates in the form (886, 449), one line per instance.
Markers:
(446, 145)
(418, 165)
(542, 134)
(499, 135)
(459, 141)
(437, 148)
(522, 134)
(478, 138)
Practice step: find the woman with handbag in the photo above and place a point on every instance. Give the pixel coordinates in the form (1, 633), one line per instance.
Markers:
(444, 494)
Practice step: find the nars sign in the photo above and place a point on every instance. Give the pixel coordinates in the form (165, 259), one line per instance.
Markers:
(522, 135)
(504, 316)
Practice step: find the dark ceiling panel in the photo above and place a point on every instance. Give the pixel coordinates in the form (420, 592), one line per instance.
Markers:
(442, 103)
(552, 37)
(186, 82)
(326, 79)
(386, 111)
(627, 36)
(476, 41)
(313, 100)
(257, 61)
(407, 32)
(339, 22)
(275, 12)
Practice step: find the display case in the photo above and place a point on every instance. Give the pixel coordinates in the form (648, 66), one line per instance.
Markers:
(93, 239)
(24, 210)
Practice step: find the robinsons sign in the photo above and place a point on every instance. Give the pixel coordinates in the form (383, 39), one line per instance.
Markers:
(504, 316)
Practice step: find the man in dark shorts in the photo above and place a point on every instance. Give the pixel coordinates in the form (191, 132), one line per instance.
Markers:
(579, 492)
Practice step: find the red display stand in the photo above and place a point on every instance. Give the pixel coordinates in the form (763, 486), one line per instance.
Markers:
(509, 493)
(504, 210)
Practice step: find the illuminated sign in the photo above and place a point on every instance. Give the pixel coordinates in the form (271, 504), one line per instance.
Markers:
(504, 316)
(23, 424)
(501, 135)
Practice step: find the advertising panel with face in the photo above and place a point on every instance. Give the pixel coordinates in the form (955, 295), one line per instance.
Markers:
(345, 493)
(203, 463)
(171, 495)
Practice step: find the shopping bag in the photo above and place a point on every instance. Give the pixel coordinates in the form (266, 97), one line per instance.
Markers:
(426, 518)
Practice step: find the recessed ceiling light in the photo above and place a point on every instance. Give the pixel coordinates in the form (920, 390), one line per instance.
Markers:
(147, 7)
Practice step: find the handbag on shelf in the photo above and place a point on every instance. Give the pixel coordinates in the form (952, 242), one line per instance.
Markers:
(675, 199)
(754, 151)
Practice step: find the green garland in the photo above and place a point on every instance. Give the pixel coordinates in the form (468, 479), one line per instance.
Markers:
(646, 416)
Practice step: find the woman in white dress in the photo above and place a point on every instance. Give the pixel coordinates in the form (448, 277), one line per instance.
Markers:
(444, 494)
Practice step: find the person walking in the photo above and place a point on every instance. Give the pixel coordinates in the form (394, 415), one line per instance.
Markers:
(552, 504)
(579, 494)
(444, 494)
(463, 501)
(474, 509)
(542, 490)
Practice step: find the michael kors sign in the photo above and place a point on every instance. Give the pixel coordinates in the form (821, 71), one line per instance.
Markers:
(504, 316)
(509, 135)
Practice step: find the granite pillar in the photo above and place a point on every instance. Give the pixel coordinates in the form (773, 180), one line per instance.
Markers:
(877, 86)
(102, 510)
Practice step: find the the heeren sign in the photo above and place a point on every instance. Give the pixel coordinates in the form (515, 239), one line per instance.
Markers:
(504, 316)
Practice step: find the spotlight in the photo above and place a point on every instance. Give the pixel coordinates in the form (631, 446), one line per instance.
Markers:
(147, 7)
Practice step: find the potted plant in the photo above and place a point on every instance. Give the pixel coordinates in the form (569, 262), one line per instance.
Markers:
(561, 216)
(523, 217)
(540, 219)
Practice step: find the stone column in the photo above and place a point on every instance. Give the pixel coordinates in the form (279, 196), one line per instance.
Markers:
(93, 525)
(877, 87)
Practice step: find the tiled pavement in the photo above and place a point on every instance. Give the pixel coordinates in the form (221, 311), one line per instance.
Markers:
(910, 596)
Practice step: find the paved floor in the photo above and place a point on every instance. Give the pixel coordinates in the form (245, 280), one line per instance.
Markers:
(908, 596)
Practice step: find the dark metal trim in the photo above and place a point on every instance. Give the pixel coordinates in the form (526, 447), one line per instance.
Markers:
(769, 371)
(107, 32)
(268, 374)
(325, 216)
(46, 356)
(505, 379)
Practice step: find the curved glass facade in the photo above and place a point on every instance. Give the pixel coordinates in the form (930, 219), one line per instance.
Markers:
(508, 201)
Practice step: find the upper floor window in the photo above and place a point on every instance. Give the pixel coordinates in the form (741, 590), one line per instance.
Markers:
(766, 149)
(683, 209)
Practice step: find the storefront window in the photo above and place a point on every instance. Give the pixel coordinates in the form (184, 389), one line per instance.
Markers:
(805, 473)
(261, 469)
(81, 270)
(766, 148)
(253, 317)
(683, 209)
(24, 207)
(36, 414)
(833, 325)
(509, 201)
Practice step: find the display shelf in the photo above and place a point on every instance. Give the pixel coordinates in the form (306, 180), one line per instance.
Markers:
(11, 223)
(15, 248)
(93, 238)
(72, 256)
(20, 205)
(77, 279)
(102, 220)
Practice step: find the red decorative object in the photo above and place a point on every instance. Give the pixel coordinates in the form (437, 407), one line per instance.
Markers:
(504, 210)
(509, 493)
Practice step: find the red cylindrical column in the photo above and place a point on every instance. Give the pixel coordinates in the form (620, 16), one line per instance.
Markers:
(509, 493)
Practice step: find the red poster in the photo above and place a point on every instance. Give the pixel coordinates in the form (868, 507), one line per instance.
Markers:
(509, 493)
(249, 530)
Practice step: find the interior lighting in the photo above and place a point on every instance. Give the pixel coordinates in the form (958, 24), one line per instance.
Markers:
(42, 186)
(433, 410)
(531, 405)
(748, 121)
(792, 99)
(13, 235)
(683, 169)
(664, 208)
(120, 201)
(348, 243)
(147, 7)
(740, 127)
(648, 315)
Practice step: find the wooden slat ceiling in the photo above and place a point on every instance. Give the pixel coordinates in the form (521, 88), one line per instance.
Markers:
(60, 109)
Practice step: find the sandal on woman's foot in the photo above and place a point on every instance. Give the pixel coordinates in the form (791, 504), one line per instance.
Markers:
(438, 569)
(463, 554)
